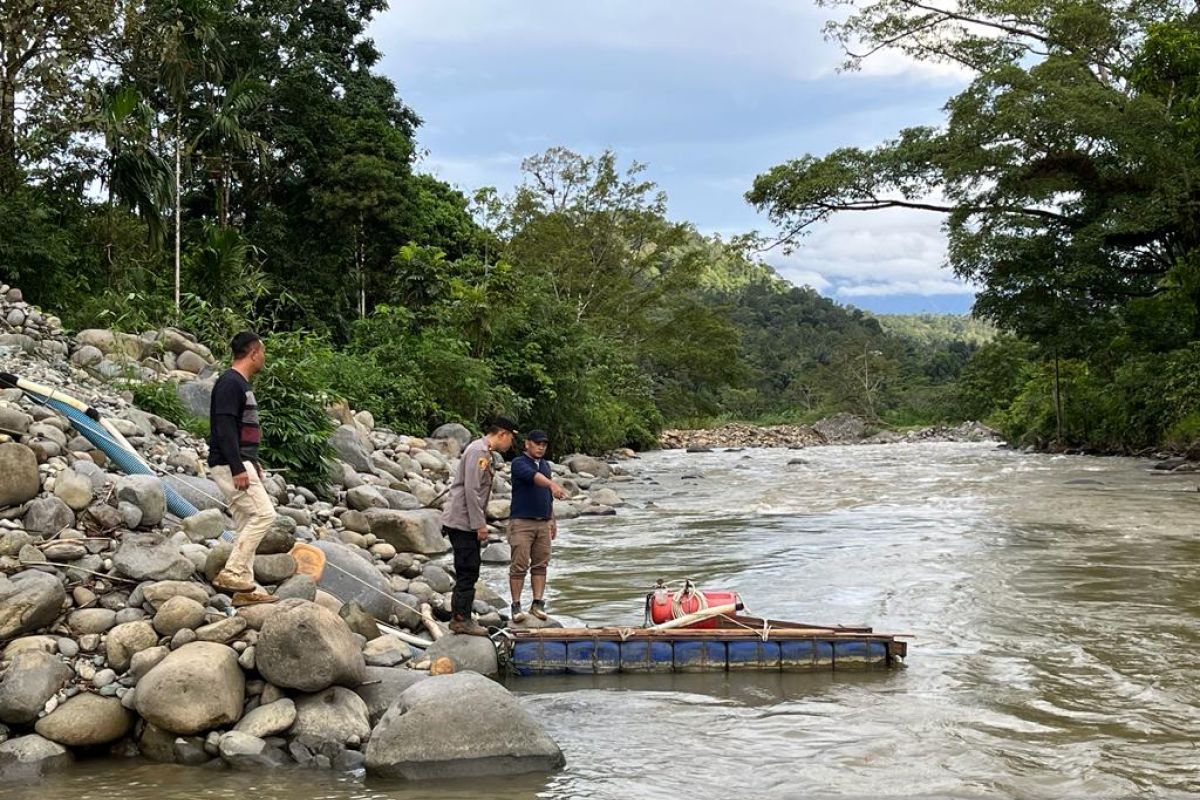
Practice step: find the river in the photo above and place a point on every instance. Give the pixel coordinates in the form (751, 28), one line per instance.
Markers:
(1054, 604)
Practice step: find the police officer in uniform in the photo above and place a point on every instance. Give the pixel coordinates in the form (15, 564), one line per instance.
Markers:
(464, 518)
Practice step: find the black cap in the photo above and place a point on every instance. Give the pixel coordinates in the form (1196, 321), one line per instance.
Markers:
(506, 424)
(538, 435)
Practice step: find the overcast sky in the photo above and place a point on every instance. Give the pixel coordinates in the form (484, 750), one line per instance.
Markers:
(707, 93)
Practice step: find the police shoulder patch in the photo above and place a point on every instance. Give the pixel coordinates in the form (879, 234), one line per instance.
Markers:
(484, 462)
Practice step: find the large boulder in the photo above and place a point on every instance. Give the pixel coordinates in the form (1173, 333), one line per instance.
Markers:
(29, 600)
(195, 689)
(196, 396)
(384, 685)
(452, 430)
(48, 516)
(32, 756)
(304, 646)
(86, 720)
(469, 653)
(353, 579)
(490, 735)
(145, 492)
(19, 479)
(334, 715)
(361, 498)
(588, 464)
(410, 531)
(353, 446)
(149, 557)
(31, 679)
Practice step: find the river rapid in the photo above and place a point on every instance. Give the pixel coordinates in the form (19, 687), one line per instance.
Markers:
(1053, 601)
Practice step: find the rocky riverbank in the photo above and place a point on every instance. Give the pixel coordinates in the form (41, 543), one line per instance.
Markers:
(115, 642)
(838, 429)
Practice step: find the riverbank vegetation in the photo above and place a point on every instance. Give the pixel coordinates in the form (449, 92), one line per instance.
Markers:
(1066, 171)
(219, 164)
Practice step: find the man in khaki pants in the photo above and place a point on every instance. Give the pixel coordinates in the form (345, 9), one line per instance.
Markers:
(233, 456)
(531, 523)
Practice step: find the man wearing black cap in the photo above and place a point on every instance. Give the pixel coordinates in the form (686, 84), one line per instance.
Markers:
(464, 518)
(531, 524)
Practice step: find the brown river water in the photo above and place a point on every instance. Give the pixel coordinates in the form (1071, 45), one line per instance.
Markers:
(1054, 603)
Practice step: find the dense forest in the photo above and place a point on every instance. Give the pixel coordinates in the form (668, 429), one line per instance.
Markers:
(220, 164)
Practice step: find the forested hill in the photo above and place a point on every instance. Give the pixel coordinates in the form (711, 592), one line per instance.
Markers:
(573, 301)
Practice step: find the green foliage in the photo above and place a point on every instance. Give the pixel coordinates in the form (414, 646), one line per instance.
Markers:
(292, 403)
(159, 398)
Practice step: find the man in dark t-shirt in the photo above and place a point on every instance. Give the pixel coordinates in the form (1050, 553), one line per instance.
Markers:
(233, 456)
(531, 523)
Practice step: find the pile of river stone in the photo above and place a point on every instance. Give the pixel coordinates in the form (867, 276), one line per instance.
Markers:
(114, 641)
(739, 434)
(838, 429)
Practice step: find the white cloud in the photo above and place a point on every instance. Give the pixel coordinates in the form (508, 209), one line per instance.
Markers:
(871, 254)
(782, 37)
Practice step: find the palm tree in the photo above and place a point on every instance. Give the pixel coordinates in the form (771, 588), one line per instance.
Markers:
(134, 173)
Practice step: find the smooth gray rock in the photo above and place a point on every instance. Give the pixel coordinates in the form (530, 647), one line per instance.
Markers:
(92, 620)
(126, 639)
(334, 715)
(196, 396)
(145, 660)
(354, 447)
(86, 720)
(204, 526)
(438, 579)
(386, 651)
(270, 570)
(490, 735)
(304, 646)
(196, 688)
(203, 493)
(73, 489)
(160, 592)
(178, 613)
(360, 498)
(297, 587)
(344, 577)
(473, 653)
(243, 751)
(496, 553)
(19, 478)
(145, 492)
(399, 500)
(588, 464)
(29, 757)
(417, 531)
(452, 430)
(384, 685)
(151, 557)
(48, 516)
(30, 680)
(271, 719)
(29, 600)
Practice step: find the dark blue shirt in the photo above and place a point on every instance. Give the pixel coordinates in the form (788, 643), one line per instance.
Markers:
(530, 501)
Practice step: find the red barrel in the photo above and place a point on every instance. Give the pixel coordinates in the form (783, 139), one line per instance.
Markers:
(663, 605)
